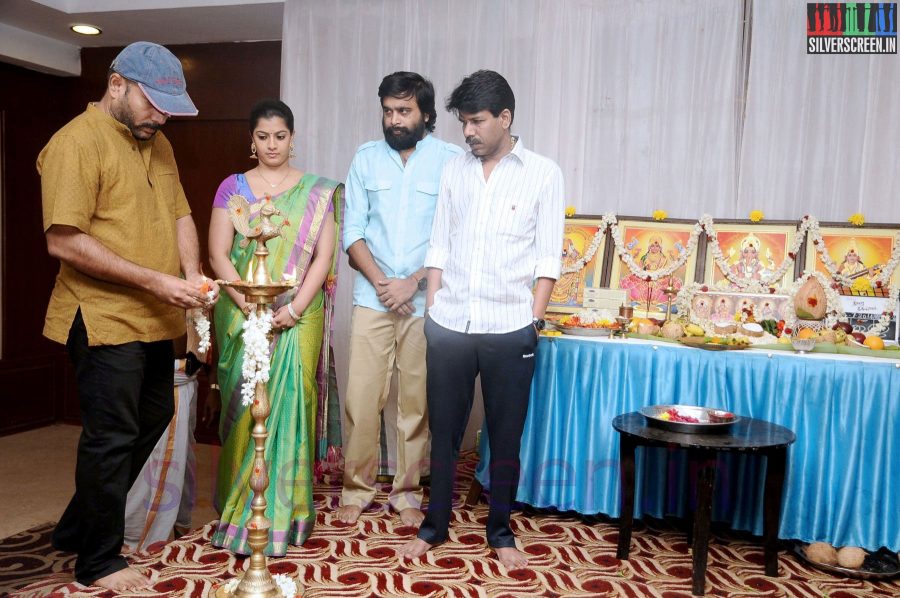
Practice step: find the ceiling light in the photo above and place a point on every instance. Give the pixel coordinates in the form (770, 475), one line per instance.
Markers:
(86, 29)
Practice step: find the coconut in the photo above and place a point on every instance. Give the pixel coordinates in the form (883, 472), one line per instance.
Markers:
(851, 557)
(810, 300)
(672, 329)
(648, 328)
(821, 552)
(752, 329)
(724, 327)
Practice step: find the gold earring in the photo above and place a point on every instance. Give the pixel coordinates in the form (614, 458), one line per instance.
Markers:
(291, 155)
(253, 152)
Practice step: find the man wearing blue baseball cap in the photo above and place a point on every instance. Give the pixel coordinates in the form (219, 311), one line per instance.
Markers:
(116, 217)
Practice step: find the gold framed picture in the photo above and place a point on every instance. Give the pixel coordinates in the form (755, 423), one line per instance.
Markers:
(860, 254)
(751, 252)
(578, 236)
(653, 246)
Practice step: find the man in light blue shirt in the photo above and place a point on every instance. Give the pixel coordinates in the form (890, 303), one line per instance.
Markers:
(391, 195)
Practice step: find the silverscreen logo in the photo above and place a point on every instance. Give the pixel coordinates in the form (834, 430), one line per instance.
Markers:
(851, 28)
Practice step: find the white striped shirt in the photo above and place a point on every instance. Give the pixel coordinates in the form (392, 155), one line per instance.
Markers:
(493, 238)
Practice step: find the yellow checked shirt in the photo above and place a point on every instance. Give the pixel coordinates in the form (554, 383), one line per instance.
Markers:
(126, 194)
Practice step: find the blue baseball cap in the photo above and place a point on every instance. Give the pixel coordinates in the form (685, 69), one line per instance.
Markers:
(158, 73)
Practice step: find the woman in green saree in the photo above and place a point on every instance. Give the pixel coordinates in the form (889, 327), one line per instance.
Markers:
(299, 435)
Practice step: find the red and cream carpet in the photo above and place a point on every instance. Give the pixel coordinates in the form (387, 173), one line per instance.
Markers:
(569, 557)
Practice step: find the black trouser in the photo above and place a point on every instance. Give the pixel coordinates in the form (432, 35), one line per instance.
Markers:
(126, 398)
(506, 365)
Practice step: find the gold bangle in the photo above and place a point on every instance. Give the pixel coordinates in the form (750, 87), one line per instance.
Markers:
(213, 386)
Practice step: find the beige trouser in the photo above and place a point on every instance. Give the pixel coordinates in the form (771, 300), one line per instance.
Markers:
(378, 341)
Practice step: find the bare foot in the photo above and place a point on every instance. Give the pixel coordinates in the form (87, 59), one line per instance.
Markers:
(125, 550)
(414, 549)
(512, 558)
(348, 513)
(412, 517)
(123, 580)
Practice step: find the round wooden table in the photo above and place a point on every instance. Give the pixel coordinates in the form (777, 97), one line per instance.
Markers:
(746, 435)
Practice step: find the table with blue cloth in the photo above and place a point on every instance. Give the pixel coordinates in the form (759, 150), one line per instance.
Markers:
(843, 472)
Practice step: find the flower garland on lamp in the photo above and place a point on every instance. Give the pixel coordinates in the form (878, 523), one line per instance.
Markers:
(256, 353)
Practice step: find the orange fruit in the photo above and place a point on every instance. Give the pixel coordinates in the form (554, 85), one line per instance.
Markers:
(806, 333)
(874, 342)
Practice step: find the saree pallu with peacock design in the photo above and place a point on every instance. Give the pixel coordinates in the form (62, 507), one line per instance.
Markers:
(304, 423)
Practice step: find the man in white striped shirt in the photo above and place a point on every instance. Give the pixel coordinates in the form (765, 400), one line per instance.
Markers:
(497, 235)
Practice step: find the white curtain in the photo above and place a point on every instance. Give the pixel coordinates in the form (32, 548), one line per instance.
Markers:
(641, 102)
(821, 131)
(634, 99)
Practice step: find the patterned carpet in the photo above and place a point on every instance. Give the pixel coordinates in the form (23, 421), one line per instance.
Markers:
(570, 556)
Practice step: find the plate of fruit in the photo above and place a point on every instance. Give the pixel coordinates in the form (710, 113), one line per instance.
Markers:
(689, 419)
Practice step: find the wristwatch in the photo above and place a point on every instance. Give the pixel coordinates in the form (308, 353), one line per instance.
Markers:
(539, 323)
(422, 284)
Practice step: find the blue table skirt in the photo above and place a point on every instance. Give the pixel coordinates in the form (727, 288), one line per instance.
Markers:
(843, 475)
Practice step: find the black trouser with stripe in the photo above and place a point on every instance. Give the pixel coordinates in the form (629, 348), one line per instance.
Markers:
(126, 400)
(506, 364)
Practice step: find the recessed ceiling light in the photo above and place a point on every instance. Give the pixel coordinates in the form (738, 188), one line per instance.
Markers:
(86, 29)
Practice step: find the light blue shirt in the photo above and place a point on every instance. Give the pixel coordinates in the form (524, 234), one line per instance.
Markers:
(391, 205)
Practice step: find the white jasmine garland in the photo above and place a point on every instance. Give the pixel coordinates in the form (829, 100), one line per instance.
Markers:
(635, 268)
(256, 353)
(201, 325)
(591, 248)
(747, 284)
(882, 280)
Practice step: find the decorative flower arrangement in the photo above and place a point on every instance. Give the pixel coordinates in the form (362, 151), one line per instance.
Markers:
(256, 353)
(862, 285)
(749, 285)
(660, 215)
(882, 280)
(570, 211)
(592, 247)
(756, 216)
(201, 322)
(285, 584)
(856, 219)
(636, 269)
(885, 320)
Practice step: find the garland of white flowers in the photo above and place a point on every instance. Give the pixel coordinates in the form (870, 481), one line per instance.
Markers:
(885, 320)
(592, 247)
(201, 324)
(256, 353)
(882, 280)
(834, 311)
(747, 284)
(285, 584)
(650, 275)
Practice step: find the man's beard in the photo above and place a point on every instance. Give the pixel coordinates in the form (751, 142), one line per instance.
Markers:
(401, 138)
(125, 115)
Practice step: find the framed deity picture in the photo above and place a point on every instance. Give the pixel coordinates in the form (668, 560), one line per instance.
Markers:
(750, 252)
(653, 246)
(860, 254)
(580, 238)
